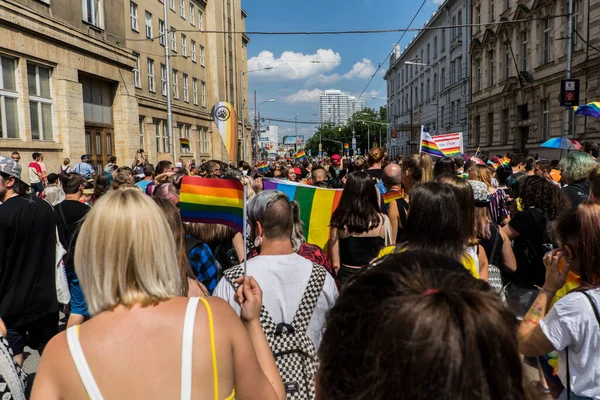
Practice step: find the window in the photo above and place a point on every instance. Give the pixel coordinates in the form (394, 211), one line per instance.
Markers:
(193, 46)
(443, 79)
(457, 118)
(186, 95)
(492, 67)
(453, 31)
(478, 74)
(505, 126)
(151, 84)
(422, 97)
(459, 22)
(434, 47)
(422, 66)
(186, 134)
(97, 102)
(524, 51)
(163, 79)
(492, 11)
(477, 124)
(92, 12)
(157, 125)
(506, 60)
(149, 25)
(172, 5)
(166, 137)
(203, 93)
(182, 8)
(435, 77)
(40, 102)
(458, 67)
(451, 113)
(428, 59)
(427, 93)
(490, 128)
(201, 20)
(452, 73)
(442, 115)
(173, 40)
(137, 79)
(9, 120)
(133, 14)
(478, 19)
(203, 140)
(443, 40)
(507, 4)
(202, 55)
(545, 123)
(547, 41)
(195, 91)
(175, 84)
(141, 131)
(161, 32)
(192, 14)
(183, 45)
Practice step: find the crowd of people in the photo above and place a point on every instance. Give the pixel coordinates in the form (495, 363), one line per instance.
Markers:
(441, 278)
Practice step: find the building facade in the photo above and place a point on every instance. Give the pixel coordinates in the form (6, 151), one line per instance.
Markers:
(204, 69)
(268, 141)
(67, 88)
(428, 81)
(518, 58)
(336, 107)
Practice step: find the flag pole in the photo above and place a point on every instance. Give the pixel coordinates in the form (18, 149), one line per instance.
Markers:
(244, 228)
(421, 141)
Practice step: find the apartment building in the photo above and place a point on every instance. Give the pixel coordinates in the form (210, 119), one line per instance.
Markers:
(66, 87)
(337, 107)
(203, 70)
(518, 58)
(428, 81)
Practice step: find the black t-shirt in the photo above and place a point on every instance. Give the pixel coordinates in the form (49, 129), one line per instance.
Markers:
(27, 260)
(73, 213)
(375, 173)
(578, 192)
(488, 245)
(529, 248)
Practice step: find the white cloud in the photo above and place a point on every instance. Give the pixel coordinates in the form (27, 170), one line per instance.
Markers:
(438, 2)
(304, 96)
(292, 65)
(322, 79)
(361, 70)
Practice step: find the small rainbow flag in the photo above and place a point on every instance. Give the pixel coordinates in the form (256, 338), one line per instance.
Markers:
(316, 207)
(212, 201)
(392, 195)
(301, 155)
(185, 143)
(493, 164)
(505, 161)
(346, 146)
(428, 145)
(589, 110)
(263, 167)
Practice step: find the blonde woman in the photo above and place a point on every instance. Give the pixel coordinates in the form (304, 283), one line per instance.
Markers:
(66, 166)
(145, 339)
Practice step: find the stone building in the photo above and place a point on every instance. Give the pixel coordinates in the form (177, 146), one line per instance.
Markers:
(428, 81)
(518, 59)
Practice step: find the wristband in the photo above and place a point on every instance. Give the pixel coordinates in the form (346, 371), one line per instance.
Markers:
(547, 291)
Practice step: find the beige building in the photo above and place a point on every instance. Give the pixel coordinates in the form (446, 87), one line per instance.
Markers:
(204, 70)
(66, 88)
(518, 58)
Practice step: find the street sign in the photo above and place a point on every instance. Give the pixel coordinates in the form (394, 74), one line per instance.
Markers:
(569, 92)
(394, 142)
(353, 143)
(394, 133)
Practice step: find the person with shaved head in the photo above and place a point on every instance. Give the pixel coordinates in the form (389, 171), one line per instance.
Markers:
(398, 208)
(319, 177)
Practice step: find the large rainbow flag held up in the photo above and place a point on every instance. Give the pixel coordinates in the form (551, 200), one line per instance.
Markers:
(224, 116)
(428, 145)
(316, 207)
(589, 110)
(212, 201)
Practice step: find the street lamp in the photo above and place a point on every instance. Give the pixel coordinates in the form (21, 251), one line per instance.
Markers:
(243, 105)
(257, 145)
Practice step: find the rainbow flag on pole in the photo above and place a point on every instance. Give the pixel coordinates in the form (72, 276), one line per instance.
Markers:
(428, 145)
(504, 161)
(301, 155)
(392, 195)
(316, 207)
(346, 146)
(185, 143)
(212, 201)
(263, 167)
(589, 110)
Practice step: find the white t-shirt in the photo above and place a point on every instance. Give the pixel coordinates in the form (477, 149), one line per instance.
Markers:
(571, 323)
(283, 280)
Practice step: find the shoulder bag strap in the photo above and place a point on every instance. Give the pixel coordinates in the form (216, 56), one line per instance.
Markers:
(83, 369)
(495, 246)
(593, 307)
(309, 299)
(62, 217)
(265, 318)
(187, 347)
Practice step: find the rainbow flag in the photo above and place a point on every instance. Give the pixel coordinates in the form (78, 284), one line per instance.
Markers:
(263, 167)
(316, 207)
(428, 145)
(346, 146)
(505, 161)
(589, 110)
(301, 155)
(493, 164)
(224, 116)
(392, 195)
(212, 201)
(185, 143)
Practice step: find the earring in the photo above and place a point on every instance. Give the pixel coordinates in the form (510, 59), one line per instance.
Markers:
(257, 241)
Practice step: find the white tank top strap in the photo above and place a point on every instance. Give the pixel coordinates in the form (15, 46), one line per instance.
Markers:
(187, 348)
(83, 369)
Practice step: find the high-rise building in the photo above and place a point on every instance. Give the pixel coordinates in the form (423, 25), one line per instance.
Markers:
(428, 81)
(518, 59)
(336, 107)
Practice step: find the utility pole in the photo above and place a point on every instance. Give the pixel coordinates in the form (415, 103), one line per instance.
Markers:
(168, 76)
(243, 122)
(569, 65)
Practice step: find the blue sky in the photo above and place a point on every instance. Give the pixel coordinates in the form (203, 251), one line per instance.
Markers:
(347, 62)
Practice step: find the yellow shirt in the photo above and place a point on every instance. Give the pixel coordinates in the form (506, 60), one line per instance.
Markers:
(467, 261)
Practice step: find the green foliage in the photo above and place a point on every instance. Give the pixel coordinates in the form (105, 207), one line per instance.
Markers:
(359, 123)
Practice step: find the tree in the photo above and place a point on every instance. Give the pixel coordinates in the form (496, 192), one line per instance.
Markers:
(358, 126)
